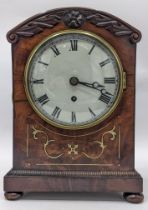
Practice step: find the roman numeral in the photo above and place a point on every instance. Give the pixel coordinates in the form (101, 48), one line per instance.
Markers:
(103, 63)
(74, 45)
(56, 112)
(73, 117)
(55, 50)
(43, 99)
(92, 113)
(38, 81)
(105, 97)
(110, 80)
(91, 49)
(46, 64)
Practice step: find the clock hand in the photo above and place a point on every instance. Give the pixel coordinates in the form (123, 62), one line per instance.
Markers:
(75, 81)
(95, 85)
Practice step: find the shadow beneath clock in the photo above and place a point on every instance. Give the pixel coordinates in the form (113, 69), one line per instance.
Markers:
(74, 196)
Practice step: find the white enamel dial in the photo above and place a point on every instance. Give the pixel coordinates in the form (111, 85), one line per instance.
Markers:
(73, 79)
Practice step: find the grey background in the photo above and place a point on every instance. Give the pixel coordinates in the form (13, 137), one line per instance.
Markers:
(12, 12)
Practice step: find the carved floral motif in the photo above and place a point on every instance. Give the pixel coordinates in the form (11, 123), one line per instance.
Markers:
(74, 19)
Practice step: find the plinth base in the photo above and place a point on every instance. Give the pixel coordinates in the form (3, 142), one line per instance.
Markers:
(17, 182)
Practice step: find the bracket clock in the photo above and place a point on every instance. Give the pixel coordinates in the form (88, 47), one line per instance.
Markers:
(73, 104)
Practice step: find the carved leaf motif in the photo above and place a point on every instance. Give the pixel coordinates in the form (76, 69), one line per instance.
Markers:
(35, 26)
(73, 18)
(109, 24)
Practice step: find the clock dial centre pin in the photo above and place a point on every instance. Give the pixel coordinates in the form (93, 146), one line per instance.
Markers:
(74, 81)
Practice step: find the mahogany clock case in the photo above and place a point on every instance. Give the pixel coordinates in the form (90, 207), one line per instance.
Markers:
(96, 159)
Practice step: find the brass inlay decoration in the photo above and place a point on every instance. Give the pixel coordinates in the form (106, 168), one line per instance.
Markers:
(71, 136)
(27, 142)
(74, 164)
(47, 142)
(119, 145)
(101, 143)
(74, 150)
(46, 152)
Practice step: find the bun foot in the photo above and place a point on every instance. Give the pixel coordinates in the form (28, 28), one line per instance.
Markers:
(133, 197)
(12, 196)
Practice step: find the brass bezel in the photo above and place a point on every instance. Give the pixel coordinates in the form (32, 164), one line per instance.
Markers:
(121, 79)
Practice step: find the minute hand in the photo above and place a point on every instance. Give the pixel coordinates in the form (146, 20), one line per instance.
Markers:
(94, 85)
